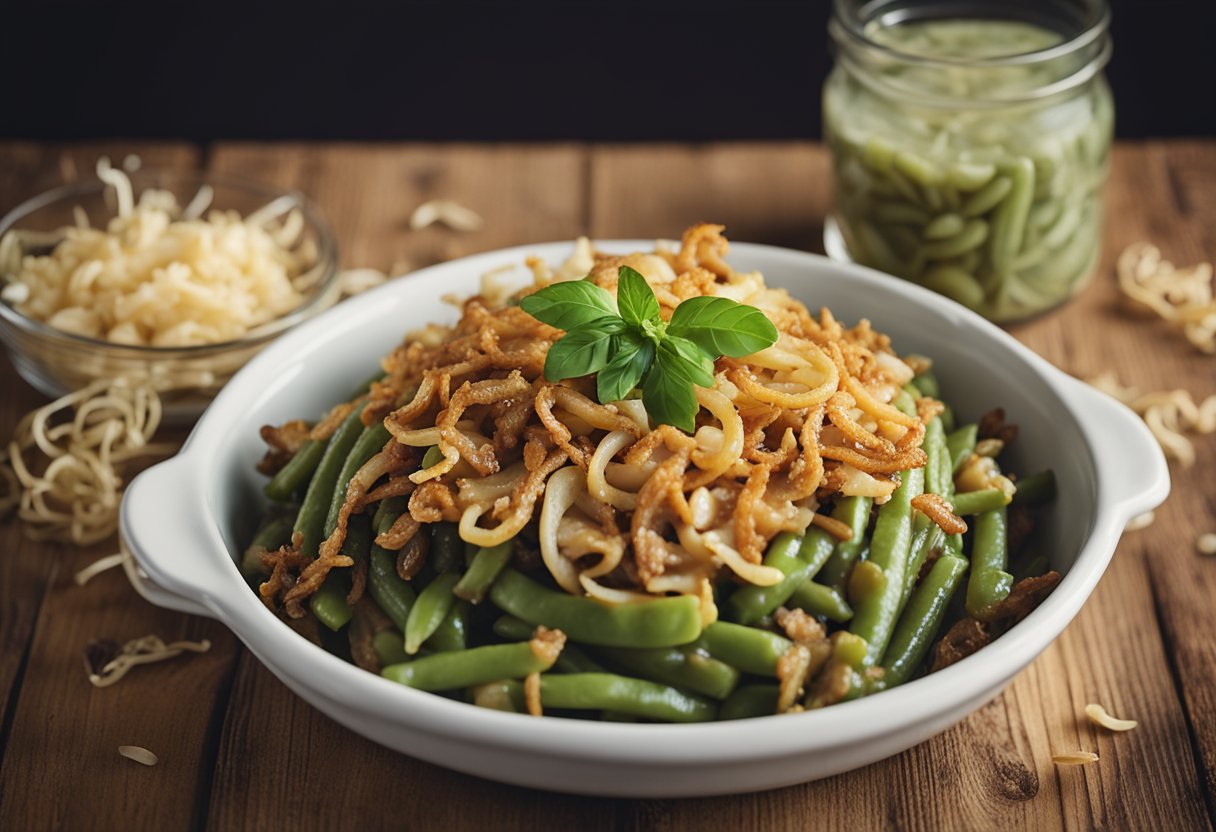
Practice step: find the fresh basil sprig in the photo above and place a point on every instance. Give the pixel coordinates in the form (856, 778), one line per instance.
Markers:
(626, 343)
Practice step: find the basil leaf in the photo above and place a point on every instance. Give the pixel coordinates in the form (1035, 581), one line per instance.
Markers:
(688, 360)
(620, 375)
(723, 327)
(568, 304)
(579, 353)
(635, 298)
(669, 396)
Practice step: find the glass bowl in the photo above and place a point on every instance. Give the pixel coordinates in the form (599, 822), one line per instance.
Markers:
(56, 362)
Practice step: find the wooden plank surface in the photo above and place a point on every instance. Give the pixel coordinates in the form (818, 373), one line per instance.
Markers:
(238, 750)
(370, 192)
(56, 725)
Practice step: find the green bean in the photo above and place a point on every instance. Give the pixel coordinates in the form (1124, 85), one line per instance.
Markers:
(328, 603)
(687, 668)
(283, 486)
(989, 582)
(447, 549)
(956, 284)
(961, 443)
(875, 250)
(572, 659)
(274, 532)
(976, 502)
(750, 649)
(947, 418)
(371, 440)
(500, 695)
(900, 212)
(933, 540)
(510, 628)
(310, 522)
(939, 473)
(797, 559)
(393, 595)
(1036, 489)
(466, 668)
(921, 171)
(920, 622)
(429, 610)
(432, 456)
(926, 384)
(944, 226)
(877, 155)
(1031, 567)
(987, 197)
(854, 512)
(750, 701)
(973, 235)
(665, 622)
(452, 632)
(970, 177)
(826, 601)
(874, 613)
(609, 692)
(617, 716)
(482, 572)
(905, 403)
(387, 645)
(1009, 218)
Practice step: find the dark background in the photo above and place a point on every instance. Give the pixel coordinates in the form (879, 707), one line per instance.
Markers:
(370, 69)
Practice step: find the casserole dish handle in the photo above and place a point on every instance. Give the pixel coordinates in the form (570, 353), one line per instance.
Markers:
(1131, 468)
(164, 541)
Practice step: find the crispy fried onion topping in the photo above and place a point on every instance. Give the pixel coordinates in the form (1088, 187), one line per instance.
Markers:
(615, 509)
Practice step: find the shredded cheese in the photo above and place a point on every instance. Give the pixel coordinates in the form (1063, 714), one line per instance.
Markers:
(160, 276)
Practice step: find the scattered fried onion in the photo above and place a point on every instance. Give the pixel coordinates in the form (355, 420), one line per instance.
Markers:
(1170, 415)
(939, 510)
(446, 212)
(1182, 297)
(960, 641)
(138, 754)
(104, 672)
(1074, 758)
(87, 439)
(532, 695)
(97, 567)
(1098, 715)
(780, 432)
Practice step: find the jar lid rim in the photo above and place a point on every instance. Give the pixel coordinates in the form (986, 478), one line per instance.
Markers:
(844, 25)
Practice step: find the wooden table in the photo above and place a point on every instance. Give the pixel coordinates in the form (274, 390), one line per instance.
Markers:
(238, 750)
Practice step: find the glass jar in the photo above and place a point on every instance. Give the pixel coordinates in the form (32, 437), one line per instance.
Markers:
(970, 144)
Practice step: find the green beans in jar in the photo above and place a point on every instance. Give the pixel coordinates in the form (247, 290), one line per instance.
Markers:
(969, 152)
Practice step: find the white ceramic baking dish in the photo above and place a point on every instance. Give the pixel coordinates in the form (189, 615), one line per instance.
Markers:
(187, 518)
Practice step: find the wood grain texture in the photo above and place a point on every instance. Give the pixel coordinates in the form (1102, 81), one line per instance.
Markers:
(994, 769)
(281, 762)
(763, 193)
(56, 724)
(238, 750)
